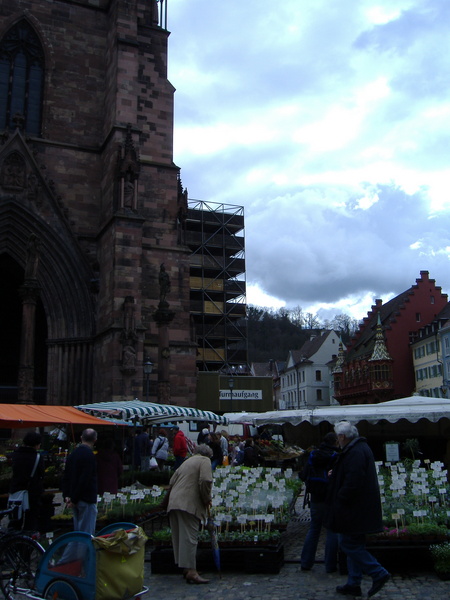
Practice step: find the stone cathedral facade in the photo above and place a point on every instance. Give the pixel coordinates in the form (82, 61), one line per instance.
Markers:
(94, 274)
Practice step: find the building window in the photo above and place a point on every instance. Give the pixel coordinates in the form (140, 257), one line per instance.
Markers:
(431, 348)
(21, 78)
(319, 395)
(432, 299)
(447, 345)
(318, 375)
(418, 317)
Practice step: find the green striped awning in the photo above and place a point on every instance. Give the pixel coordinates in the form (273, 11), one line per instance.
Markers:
(150, 412)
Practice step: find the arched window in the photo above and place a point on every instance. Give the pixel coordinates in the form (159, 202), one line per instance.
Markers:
(21, 78)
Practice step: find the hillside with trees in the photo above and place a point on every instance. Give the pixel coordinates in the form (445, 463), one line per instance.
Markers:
(272, 333)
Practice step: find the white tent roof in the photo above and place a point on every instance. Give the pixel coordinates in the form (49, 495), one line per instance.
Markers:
(150, 412)
(412, 409)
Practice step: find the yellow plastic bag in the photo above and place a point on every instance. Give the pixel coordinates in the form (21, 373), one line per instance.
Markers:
(225, 461)
(120, 564)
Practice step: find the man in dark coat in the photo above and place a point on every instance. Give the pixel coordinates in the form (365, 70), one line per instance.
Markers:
(353, 509)
(80, 483)
(315, 475)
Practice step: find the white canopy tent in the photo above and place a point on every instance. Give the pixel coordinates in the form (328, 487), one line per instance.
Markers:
(150, 413)
(412, 409)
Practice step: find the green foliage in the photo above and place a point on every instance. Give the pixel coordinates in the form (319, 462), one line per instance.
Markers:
(147, 478)
(272, 333)
(411, 446)
(429, 528)
(441, 556)
(163, 536)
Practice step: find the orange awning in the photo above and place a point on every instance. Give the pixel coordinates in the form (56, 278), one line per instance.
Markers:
(36, 415)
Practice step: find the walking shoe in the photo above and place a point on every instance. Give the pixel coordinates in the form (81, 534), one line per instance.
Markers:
(349, 590)
(378, 584)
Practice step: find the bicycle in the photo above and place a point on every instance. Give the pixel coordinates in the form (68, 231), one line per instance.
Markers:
(20, 555)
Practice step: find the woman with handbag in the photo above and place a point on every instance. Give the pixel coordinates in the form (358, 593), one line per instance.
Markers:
(28, 474)
(160, 449)
(188, 501)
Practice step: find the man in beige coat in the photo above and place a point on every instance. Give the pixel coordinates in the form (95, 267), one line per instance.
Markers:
(189, 500)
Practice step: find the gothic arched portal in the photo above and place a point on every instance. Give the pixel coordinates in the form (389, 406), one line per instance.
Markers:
(12, 276)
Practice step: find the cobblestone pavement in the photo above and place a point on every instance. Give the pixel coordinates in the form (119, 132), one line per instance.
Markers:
(407, 583)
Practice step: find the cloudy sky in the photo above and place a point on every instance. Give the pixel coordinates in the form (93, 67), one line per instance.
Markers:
(329, 121)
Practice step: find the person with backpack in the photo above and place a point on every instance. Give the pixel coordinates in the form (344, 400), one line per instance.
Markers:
(160, 448)
(315, 474)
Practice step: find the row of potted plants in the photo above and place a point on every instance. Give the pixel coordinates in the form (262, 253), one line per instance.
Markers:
(250, 537)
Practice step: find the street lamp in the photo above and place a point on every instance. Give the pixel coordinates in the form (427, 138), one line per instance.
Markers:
(231, 386)
(148, 368)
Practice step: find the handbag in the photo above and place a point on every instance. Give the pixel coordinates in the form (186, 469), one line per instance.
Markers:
(20, 499)
(153, 463)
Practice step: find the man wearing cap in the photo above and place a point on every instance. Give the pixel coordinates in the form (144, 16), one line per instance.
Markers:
(203, 436)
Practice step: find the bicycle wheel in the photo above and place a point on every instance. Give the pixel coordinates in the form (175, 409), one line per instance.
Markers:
(19, 559)
(60, 589)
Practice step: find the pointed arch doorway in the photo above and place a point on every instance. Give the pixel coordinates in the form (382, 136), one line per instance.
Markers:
(11, 278)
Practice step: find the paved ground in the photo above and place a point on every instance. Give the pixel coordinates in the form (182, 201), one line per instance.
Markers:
(408, 583)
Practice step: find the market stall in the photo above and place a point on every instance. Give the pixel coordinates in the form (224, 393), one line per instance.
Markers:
(412, 409)
(150, 413)
(21, 416)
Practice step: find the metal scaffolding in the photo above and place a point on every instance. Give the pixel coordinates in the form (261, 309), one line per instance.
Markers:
(215, 236)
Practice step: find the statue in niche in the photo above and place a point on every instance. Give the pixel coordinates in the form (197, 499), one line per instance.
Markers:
(164, 284)
(33, 255)
(128, 171)
(128, 191)
(129, 326)
(154, 8)
(128, 337)
(128, 357)
(33, 187)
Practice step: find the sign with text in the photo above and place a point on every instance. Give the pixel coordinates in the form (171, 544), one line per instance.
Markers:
(392, 452)
(240, 395)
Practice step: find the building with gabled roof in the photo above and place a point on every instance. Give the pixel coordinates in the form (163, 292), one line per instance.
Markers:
(430, 351)
(306, 378)
(378, 364)
(271, 368)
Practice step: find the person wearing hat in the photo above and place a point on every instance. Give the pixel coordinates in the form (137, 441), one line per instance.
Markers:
(203, 436)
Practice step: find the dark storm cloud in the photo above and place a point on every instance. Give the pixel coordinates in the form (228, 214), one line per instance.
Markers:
(330, 124)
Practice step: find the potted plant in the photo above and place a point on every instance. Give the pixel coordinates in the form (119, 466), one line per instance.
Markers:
(441, 557)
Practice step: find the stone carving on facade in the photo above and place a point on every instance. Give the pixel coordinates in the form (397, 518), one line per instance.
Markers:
(13, 173)
(128, 337)
(154, 4)
(164, 285)
(33, 188)
(128, 168)
(33, 256)
(182, 203)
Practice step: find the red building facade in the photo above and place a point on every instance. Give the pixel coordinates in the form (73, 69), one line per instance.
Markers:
(377, 365)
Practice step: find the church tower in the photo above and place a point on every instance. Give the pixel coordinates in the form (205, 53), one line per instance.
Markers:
(91, 206)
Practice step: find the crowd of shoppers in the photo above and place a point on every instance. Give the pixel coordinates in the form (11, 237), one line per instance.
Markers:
(341, 490)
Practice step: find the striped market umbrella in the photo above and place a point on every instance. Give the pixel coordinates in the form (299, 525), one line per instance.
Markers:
(136, 410)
